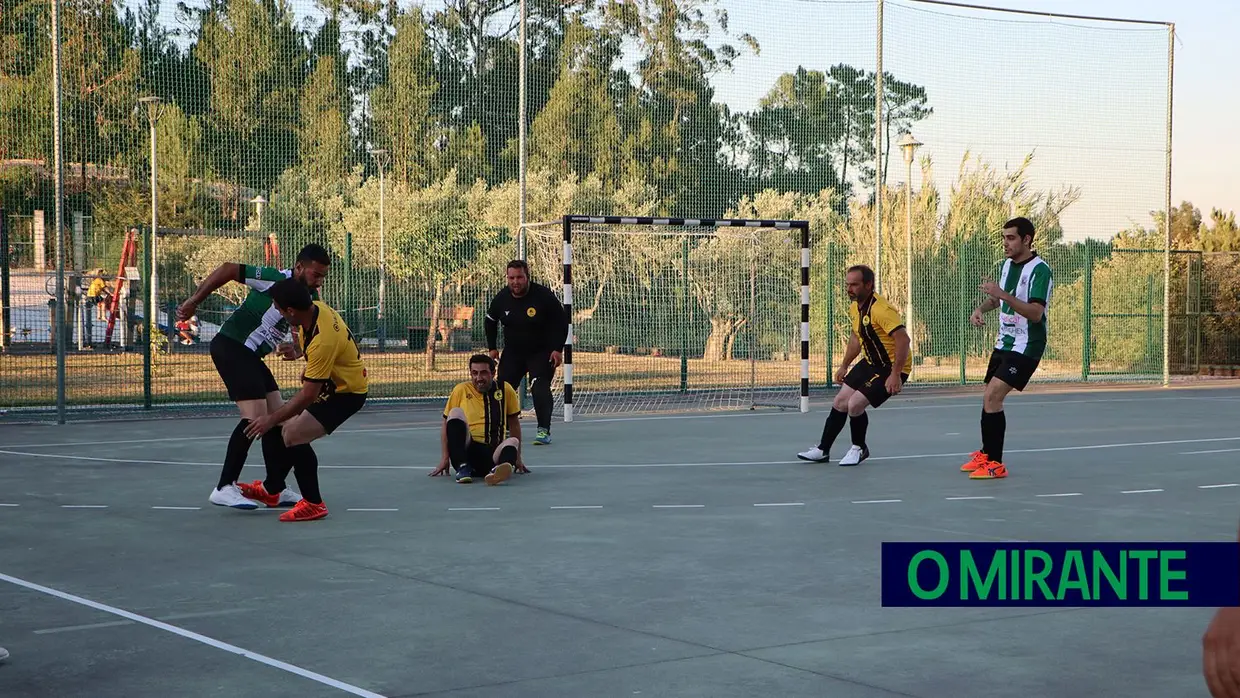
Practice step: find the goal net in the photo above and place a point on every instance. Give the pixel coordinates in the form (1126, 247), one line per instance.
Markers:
(678, 314)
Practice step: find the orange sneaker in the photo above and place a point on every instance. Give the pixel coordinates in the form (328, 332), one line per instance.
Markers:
(257, 492)
(989, 470)
(305, 511)
(976, 460)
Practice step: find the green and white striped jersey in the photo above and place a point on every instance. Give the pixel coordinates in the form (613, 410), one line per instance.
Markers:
(1030, 280)
(257, 324)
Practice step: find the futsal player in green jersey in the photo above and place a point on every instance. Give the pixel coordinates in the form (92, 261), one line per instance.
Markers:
(1022, 296)
(252, 332)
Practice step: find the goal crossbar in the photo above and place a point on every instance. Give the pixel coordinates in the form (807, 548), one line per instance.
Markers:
(569, 220)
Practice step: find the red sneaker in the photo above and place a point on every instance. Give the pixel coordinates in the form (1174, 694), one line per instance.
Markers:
(256, 491)
(305, 511)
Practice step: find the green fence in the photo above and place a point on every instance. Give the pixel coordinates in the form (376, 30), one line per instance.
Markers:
(427, 143)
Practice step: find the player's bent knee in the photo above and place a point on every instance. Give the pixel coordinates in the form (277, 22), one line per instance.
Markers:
(857, 404)
(842, 399)
(456, 413)
(302, 429)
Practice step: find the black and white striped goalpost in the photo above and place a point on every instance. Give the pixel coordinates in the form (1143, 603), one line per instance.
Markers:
(568, 222)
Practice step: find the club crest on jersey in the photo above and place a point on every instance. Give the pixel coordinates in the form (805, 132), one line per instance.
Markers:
(498, 395)
(865, 319)
(531, 312)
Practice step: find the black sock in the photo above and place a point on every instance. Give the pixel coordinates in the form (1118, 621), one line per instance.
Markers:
(858, 425)
(306, 469)
(457, 432)
(832, 428)
(507, 454)
(540, 390)
(278, 463)
(994, 426)
(234, 457)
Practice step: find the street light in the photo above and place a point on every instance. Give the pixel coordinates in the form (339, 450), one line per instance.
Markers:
(380, 156)
(154, 109)
(909, 145)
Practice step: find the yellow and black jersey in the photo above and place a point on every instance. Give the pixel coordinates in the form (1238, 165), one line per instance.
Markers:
(332, 356)
(874, 325)
(486, 413)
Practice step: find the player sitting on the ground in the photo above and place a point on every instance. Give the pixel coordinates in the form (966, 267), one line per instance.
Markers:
(879, 331)
(482, 427)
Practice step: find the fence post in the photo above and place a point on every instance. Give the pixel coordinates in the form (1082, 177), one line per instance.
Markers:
(6, 327)
(962, 275)
(148, 323)
(684, 326)
(352, 315)
(830, 294)
(1087, 314)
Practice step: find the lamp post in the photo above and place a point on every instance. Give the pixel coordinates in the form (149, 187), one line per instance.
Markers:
(909, 145)
(154, 109)
(380, 156)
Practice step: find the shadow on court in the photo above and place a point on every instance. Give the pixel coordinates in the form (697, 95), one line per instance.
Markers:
(676, 555)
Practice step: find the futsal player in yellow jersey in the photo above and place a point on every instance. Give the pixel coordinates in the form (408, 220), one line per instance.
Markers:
(879, 333)
(334, 387)
(482, 427)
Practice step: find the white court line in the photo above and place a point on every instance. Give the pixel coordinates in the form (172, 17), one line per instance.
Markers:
(678, 506)
(580, 466)
(1060, 494)
(210, 642)
(877, 501)
(178, 508)
(473, 508)
(1211, 487)
(83, 506)
(781, 504)
(10, 505)
(1142, 491)
(119, 623)
(579, 506)
(430, 426)
(372, 509)
(955, 499)
(952, 433)
(1220, 450)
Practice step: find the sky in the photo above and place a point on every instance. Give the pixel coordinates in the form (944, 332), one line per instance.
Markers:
(1087, 98)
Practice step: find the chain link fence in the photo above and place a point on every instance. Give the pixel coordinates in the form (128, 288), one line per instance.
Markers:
(426, 145)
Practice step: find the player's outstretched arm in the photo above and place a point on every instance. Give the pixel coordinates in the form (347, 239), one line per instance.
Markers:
(442, 467)
(228, 271)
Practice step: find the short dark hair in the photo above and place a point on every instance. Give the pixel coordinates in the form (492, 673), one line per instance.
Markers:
(315, 253)
(291, 293)
(867, 274)
(519, 264)
(482, 359)
(1024, 226)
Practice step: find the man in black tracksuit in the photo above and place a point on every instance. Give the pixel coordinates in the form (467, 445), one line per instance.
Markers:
(535, 330)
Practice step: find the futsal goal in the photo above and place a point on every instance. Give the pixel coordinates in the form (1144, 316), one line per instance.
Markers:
(678, 314)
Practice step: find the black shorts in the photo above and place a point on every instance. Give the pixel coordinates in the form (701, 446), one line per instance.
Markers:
(514, 364)
(336, 409)
(244, 373)
(1011, 367)
(479, 458)
(871, 381)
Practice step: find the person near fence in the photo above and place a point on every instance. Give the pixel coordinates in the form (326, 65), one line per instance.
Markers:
(878, 331)
(482, 427)
(1022, 295)
(535, 331)
(334, 386)
(254, 330)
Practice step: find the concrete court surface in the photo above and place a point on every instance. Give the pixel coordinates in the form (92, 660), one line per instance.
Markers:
(682, 555)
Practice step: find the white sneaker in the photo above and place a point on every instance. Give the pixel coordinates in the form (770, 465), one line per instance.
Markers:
(815, 454)
(855, 455)
(4, 654)
(288, 498)
(231, 496)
